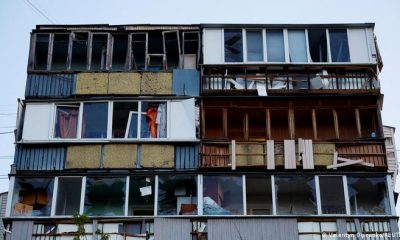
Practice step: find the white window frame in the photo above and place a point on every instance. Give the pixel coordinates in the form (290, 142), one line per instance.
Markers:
(305, 30)
(263, 45)
(54, 120)
(319, 195)
(55, 195)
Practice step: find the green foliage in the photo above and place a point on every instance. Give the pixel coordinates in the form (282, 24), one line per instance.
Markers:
(80, 221)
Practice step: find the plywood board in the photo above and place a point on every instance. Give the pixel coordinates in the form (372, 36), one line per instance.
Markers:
(83, 156)
(124, 83)
(92, 83)
(157, 156)
(120, 155)
(154, 83)
(290, 154)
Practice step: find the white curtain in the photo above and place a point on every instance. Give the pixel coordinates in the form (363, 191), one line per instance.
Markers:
(297, 46)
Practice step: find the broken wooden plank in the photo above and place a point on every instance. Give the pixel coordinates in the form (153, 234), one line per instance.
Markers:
(334, 166)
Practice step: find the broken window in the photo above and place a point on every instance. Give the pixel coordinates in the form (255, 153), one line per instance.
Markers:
(369, 126)
(258, 195)
(233, 45)
(279, 125)
(177, 195)
(60, 52)
(213, 123)
(368, 195)
(41, 51)
(155, 59)
(222, 195)
(347, 124)
(190, 49)
(275, 46)
(105, 196)
(325, 124)
(141, 196)
(139, 51)
(303, 124)
(32, 196)
(295, 195)
(254, 46)
(297, 46)
(339, 45)
(120, 49)
(318, 45)
(99, 52)
(332, 195)
(68, 195)
(122, 114)
(94, 120)
(172, 48)
(66, 122)
(79, 50)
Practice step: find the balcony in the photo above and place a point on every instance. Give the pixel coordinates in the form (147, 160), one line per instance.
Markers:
(291, 154)
(263, 81)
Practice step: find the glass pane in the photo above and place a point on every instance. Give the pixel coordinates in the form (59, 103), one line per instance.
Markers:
(41, 51)
(295, 195)
(121, 113)
(222, 195)
(68, 196)
(177, 195)
(297, 46)
(32, 197)
(154, 120)
(105, 196)
(60, 52)
(258, 195)
(275, 46)
(141, 196)
(66, 121)
(318, 45)
(233, 45)
(94, 122)
(339, 45)
(99, 52)
(368, 195)
(120, 49)
(254, 46)
(79, 51)
(332, 195)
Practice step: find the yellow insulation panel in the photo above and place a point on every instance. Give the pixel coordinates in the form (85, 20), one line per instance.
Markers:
(120, 155)
(83, 156)
(323, 154)
(124, 83)
(253, 154)
(156, 83)
(91, 83)
(279, 155)
(157, 156)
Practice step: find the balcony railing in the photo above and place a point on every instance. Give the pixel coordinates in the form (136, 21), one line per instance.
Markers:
(264, 83)
(292, 154)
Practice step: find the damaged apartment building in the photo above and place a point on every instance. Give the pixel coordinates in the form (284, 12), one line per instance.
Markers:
(208, 131)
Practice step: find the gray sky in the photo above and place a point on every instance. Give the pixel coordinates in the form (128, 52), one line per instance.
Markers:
(17, 18)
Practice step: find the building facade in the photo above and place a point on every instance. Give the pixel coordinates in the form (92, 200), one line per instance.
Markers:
(207, 131)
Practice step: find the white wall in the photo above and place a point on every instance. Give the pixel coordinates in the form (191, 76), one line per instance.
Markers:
(37, 121)
(358, 45)
(182, 119)
(213, 46)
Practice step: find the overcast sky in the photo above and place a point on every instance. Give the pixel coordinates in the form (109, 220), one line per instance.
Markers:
(17, 18)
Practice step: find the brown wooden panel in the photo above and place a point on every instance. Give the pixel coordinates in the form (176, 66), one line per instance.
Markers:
(215, 155)
(369, 152)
